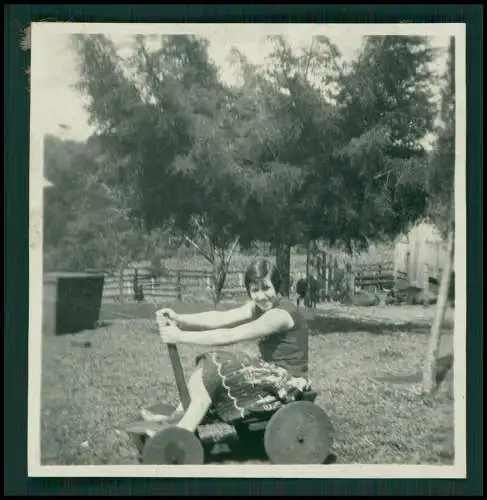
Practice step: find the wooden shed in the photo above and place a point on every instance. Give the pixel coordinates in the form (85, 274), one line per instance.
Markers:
(419, 254)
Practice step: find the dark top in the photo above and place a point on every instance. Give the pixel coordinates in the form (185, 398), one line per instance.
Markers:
(288, 349)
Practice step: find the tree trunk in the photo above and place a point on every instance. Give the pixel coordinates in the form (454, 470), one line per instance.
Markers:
(221, 264)
(325, 276)
(216, 298)
(283, 263)
(429, 371)
(350, 284)
(218, 282)
(307, 301)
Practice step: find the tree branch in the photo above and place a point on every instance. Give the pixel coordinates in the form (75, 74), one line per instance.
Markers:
(230, 253)
(202, 231)
(150, 71)
(207, 256)
(382, 174)
(308, 62)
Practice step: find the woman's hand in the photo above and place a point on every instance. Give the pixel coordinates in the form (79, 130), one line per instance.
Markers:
(168, 315)
(171, 334)
(168, 330)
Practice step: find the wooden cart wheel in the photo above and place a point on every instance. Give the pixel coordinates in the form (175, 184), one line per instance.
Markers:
(173, 446)
(299, 433)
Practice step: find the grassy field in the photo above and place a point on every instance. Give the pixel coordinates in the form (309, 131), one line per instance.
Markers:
(89, 393)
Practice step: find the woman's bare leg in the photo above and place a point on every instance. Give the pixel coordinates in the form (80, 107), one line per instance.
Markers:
(198, 407)
(200, 402)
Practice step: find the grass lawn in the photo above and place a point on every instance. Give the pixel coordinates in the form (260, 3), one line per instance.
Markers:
(89, 393)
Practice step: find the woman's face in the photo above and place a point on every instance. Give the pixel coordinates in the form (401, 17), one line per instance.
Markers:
(263, 294)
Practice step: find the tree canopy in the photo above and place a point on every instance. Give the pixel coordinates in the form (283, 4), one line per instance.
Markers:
(306, 147)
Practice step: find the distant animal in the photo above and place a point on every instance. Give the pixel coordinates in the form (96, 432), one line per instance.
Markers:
(451, 289)
(138, 288)
(302, 291)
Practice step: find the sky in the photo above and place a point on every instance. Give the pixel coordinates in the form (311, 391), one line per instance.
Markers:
(63, 113)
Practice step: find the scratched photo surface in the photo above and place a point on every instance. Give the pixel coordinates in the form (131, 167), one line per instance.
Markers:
(165, 161)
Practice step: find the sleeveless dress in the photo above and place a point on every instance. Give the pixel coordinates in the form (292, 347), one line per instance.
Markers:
(238, 383)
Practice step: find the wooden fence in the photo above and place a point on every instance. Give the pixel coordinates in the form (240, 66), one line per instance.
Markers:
(373, 277)
(336, 275)
(174, 284)
(184, 284)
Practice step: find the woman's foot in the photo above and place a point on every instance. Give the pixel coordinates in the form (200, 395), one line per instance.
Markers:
(173, 418)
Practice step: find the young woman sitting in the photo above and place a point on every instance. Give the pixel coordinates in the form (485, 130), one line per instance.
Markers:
(235, 384)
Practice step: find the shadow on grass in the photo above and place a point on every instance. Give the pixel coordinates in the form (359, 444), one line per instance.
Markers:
(103, 324)
(318, 324)
(116, 312)
(146, 310)
(443, 366)
(257, 454)
(321, 325)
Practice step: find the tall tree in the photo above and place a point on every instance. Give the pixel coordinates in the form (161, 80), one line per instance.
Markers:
(373, 184)
(284, 158)
(283, 110)
(60, 167)
(166, 117)
(88, 223)
(353, 137)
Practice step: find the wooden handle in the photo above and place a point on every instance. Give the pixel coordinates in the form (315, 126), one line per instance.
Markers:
(177, 368)
(178, 371)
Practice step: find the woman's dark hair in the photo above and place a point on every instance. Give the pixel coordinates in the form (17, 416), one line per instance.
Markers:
(259, 269)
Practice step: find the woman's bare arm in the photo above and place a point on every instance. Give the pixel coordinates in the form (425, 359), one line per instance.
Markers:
(272, 322)
(211, 320)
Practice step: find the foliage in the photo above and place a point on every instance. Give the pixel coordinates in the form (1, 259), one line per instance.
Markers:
(441, 178)
(386, 103)
(349, 138)
(304, 148)
(88, 223)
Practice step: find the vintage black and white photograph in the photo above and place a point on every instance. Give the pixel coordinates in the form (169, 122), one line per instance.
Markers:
(247, 249)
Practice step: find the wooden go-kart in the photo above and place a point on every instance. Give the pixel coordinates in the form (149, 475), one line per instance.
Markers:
(298, 432)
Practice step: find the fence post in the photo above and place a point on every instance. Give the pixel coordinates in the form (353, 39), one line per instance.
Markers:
(308, 284)
(178, 286)
(121, 284)
(426, 285)
(351, 281)
(324, 268)
(135, 284)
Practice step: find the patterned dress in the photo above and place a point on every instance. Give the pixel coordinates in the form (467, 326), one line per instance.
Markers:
(239, 383)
